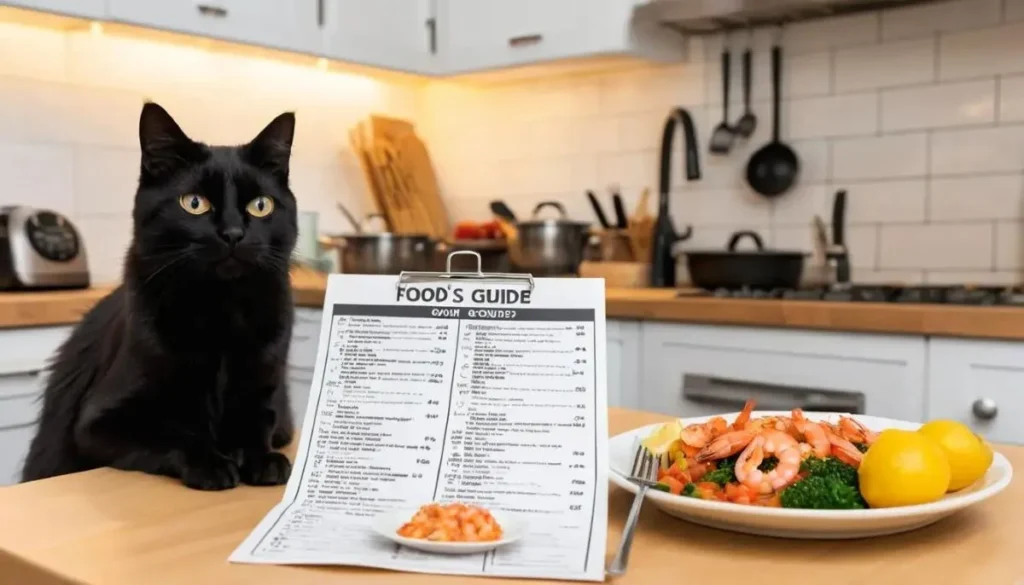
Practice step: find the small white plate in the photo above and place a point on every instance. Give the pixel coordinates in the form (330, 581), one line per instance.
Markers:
(387, 525)
(808, 524)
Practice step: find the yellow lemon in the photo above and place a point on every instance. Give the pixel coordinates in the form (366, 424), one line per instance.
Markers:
(662, 438)
(969, 455)
(903, 468)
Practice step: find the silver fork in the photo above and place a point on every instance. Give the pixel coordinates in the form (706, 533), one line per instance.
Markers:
(644, 474)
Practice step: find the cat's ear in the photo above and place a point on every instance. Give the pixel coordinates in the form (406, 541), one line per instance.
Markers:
(165, 148)
(272, 147)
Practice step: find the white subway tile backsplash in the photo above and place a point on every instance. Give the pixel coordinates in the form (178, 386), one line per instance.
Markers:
(1014, 10)
(1011, 98)
(39, 175)
(889, 277)
(714, 207)
(801, 204)
(937, 246)
(981, 150)
(925, 20)
(106, 241)
(839, 115)
(880, 157)
(105, 179)
(885, 201)
(938, 106)
(1009, 245)
(982, 52)
(861, 241)
(805, 75)
(980, 197)
(885, 65)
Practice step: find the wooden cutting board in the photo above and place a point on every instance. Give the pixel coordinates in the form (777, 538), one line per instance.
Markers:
(357, 141)
(423, 187)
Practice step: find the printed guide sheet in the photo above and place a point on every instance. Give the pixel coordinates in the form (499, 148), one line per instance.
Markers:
(487, 393)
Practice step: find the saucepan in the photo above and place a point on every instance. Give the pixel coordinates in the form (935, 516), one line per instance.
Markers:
(549, 246)
(382, 253)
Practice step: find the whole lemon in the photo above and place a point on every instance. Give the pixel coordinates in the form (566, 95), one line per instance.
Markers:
(903, 468)
(969, 455)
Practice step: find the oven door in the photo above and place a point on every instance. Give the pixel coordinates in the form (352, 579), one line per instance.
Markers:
(694, 370)
(708, 395)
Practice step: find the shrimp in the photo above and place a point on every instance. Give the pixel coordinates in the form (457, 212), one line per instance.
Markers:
(811, 434)
(725, 445)
(852, 430)
(741, 419)
(844, 450)
(700, 434)
(784, 448)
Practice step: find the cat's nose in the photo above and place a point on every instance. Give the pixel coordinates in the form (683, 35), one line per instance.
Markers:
(232, 235)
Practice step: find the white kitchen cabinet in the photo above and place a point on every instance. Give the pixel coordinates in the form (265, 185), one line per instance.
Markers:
(391, 34)
(476, 35)
(24, 354)
(696, 370)
(623, 356)
(980, 383)
(80, 8)
(292, 25)
(302, 359)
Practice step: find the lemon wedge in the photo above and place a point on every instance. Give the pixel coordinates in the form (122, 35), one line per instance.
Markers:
(661, 440)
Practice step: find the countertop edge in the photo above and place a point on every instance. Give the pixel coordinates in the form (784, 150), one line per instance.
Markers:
(34, 309)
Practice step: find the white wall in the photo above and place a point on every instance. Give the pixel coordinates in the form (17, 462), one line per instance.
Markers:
(69, 106)
(919, 113)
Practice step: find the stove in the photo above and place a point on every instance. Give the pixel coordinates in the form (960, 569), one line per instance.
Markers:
(941, 295)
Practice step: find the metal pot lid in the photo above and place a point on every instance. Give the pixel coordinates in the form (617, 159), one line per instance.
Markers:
(559, 221)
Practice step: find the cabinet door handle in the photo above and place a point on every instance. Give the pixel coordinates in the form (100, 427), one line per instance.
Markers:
(210, 10)
(320, 13)
(432, 34)
(524, 40)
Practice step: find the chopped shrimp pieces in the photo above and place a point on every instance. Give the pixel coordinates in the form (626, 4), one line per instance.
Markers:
(452, 523)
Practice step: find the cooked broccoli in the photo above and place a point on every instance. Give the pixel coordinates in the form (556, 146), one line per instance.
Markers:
(690, 490)
(721, 476)
(822, 492)
(724, 473)
(830, 485)
(830, 467)
(768, 463)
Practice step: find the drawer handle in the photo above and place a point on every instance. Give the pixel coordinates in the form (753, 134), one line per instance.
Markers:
(210, 10)
(985, 408)
(524, 40)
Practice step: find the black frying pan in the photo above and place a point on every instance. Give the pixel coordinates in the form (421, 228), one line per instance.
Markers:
(774, 168)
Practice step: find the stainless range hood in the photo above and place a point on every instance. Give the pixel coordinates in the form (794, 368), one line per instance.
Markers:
(709, 16)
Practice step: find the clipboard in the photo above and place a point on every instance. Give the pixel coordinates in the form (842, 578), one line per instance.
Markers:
(409, 277)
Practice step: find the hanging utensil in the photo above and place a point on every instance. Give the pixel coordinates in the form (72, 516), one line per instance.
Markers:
(598, 211)
(722, 137)
(747, 123)
(774, 169)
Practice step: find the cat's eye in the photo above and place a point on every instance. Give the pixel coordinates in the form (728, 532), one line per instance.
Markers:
(194, 204)
(260, 207)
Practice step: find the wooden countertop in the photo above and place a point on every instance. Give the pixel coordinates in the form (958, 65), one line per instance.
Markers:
(26, 309)
(116, 528)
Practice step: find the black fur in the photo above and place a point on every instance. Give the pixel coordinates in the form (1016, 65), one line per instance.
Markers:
(181, 370)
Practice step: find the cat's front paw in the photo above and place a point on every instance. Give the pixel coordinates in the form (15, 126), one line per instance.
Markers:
(211, 474)
(266, 469)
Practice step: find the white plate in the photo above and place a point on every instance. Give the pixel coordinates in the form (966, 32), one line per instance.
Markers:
(808, 524)
(387, 525)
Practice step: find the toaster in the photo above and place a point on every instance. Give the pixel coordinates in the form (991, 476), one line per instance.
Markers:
(40, 249)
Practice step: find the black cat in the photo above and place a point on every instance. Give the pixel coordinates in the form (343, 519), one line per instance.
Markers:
(181, 370)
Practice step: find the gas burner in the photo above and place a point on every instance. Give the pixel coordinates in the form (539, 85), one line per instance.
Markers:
(944, 295)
